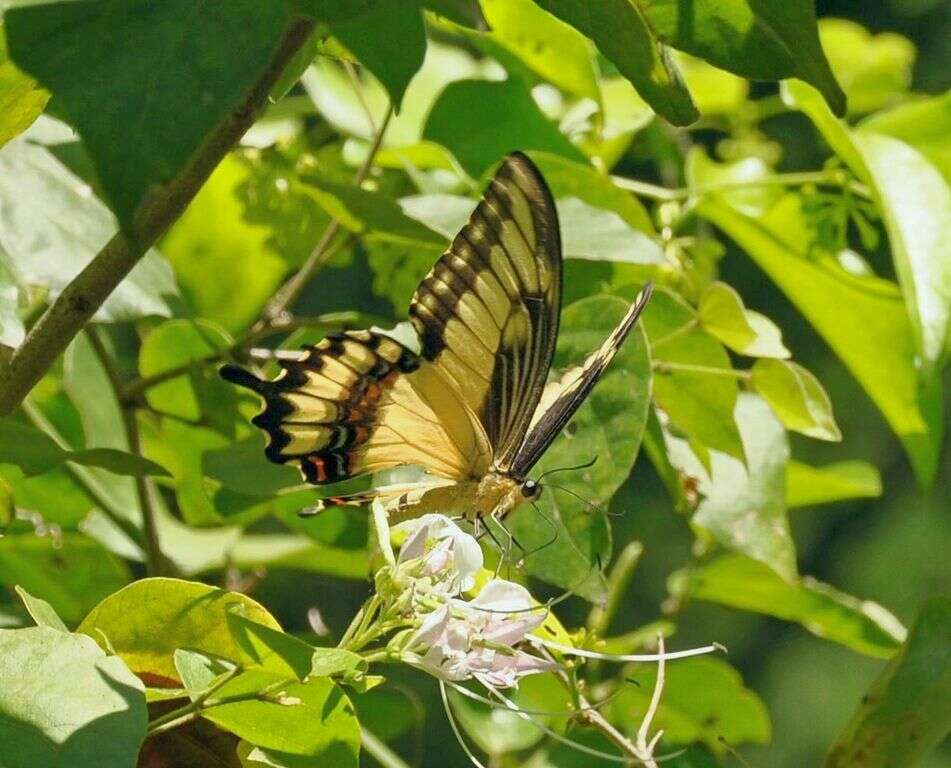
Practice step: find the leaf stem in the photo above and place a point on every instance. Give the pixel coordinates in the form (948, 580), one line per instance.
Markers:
(827, 178)
(599, 620)
(665, 367)
(154, 560)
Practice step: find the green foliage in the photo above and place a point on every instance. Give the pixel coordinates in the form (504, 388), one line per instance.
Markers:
(132, 458)
(95, 710)
(906, 711)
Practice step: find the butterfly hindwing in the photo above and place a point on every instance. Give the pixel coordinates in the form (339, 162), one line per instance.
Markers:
(565, 395)
(361, 402)
(487, 314)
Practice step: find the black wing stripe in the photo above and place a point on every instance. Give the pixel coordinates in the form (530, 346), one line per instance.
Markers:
(556, 413)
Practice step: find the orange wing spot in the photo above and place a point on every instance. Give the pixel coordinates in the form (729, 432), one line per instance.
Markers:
(320, 467)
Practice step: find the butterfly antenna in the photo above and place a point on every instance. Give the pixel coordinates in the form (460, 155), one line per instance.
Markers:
(566, 469)
(591, 505)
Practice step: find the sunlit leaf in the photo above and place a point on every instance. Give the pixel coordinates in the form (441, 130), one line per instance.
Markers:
(180, 614)
(21, 99)
(872, 336)
(91, 711)
(873, 70)
(807, 485)
(797, 397)
(623, 35)
(739, 582)
(743, 506)
(212, 239)
(41, 611)
(553, 50)
(722, 314)
(907, 711)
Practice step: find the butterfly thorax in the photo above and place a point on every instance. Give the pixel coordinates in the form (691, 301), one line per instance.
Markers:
(496, 495)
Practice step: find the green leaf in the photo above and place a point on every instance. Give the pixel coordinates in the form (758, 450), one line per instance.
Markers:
(330, 88)
(623, 34)
(806, 485)
(716, 92)
(516, 122)
(704, 700)
(915, 201)
(609, 425)
(212, 238)
(722, 314)
(54, 225)
(27, 447)
(313, 718)
(907, 711)
(797, 397)
(550, 48)
(71, 573)
(199, 392)
(874, 71)
(298, 552)
(389, 40)
(873, 336)
(284, 654)
(36, 453)
(21, 99)
(41, 611)
(698, 403)
(739, 582)
(372, 214)
(923, 124)
(757, 39)
(197, 671)
(568, 178)
(91, 710)
(117, 462)
(147, 621)
(744, 505)
(175, 70)
(242, 467)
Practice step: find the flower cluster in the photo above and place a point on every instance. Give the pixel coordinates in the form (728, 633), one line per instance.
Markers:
(460, 639)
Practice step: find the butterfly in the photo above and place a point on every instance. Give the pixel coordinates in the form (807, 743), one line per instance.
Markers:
(472, 407)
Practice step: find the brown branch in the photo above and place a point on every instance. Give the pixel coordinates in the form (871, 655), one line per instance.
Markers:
(79, 301)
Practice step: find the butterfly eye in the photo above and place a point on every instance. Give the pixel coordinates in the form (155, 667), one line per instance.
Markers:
(530, 489)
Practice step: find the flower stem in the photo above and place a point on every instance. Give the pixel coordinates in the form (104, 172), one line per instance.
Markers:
(379, 751)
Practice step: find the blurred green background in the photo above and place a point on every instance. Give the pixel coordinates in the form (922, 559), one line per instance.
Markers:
(894, 549)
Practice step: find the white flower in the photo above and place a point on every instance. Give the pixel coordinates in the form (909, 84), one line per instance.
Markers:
(476, 639)
(449, 555)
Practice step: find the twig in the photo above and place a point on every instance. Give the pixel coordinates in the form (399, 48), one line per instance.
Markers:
(656, 192)
(78, 302)
(287, 294)
(154, 559)
(85, 478)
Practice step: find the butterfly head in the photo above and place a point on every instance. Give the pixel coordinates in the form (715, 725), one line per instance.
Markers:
(531, 489)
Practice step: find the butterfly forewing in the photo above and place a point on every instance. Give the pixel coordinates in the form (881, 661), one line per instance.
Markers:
(487, 313)
(562, 397)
